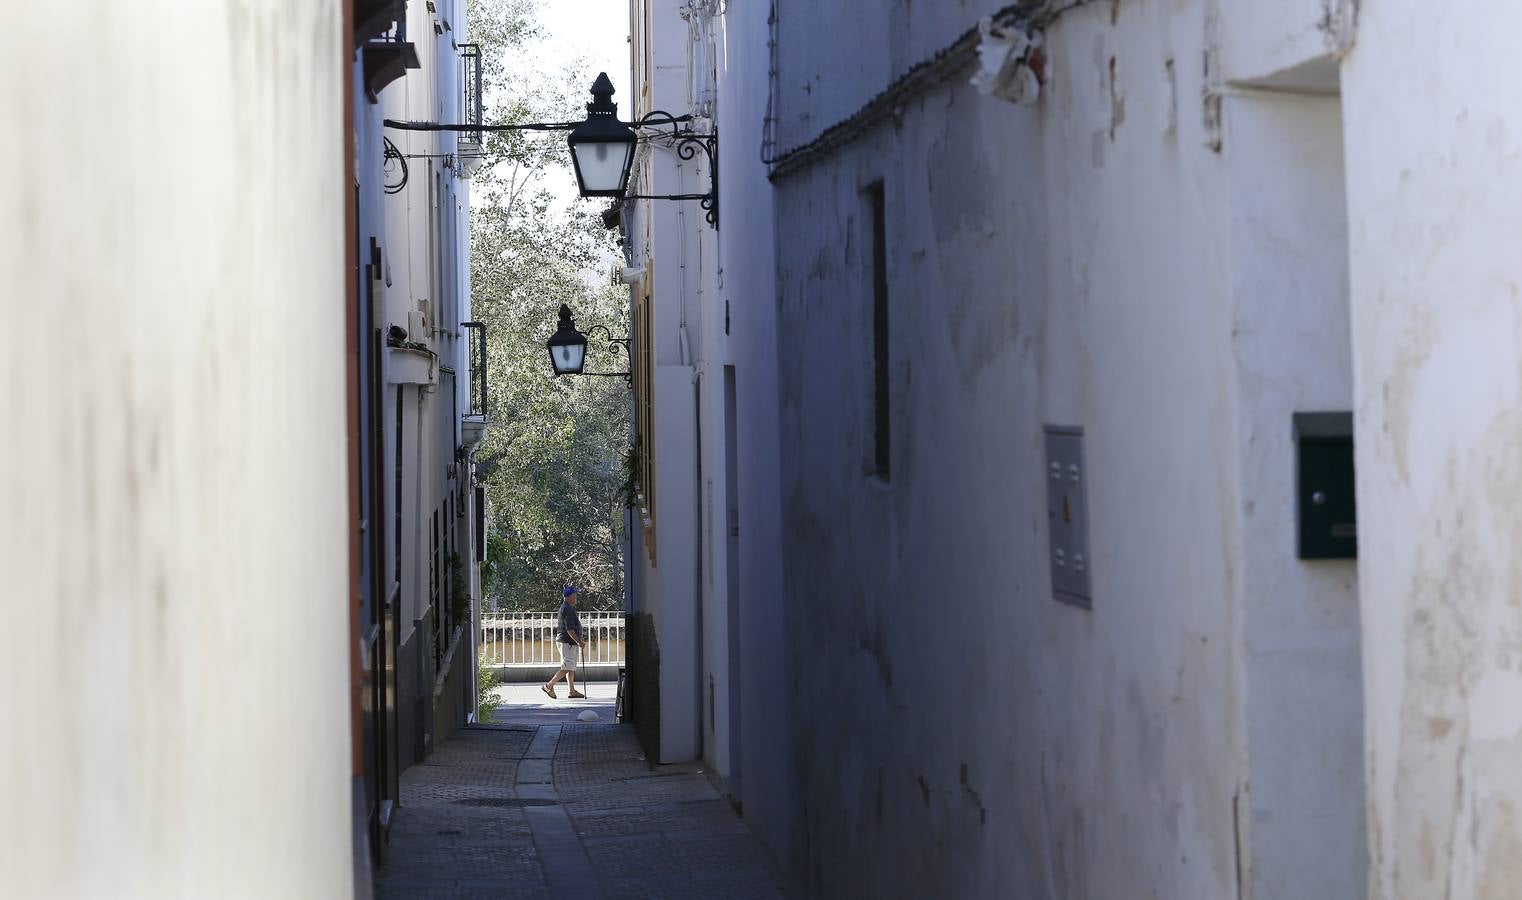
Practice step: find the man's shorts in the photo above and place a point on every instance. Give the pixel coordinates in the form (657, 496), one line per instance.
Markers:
(569, 653)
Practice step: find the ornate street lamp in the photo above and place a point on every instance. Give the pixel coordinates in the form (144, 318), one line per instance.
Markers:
(568, 348)
(602, 150)
(602, 147)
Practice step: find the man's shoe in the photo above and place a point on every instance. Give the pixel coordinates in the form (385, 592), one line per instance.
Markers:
(576, 695)
(549, 690)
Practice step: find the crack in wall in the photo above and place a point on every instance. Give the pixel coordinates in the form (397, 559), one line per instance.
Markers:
(974, 796)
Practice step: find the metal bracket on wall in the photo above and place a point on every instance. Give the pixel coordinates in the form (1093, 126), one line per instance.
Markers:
(614, 344)
(687, 143)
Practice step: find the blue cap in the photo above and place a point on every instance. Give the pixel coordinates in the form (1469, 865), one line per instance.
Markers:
(569, 591)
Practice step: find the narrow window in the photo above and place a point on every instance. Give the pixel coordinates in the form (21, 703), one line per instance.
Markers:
(882, 431)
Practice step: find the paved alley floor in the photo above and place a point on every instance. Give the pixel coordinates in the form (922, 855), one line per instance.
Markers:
(565, 811)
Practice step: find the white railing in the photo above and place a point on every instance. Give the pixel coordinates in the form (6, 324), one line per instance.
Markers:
(530, 639)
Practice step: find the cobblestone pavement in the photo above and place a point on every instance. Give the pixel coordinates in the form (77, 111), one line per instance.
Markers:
(565, 812)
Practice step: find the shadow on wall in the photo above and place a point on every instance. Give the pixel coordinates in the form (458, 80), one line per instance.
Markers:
(451, 690)
(409, 715)
(643, 682)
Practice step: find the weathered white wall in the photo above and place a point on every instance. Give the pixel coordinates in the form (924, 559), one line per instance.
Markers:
(1434, 179)
(747, 257)
(707, 287)
(175, 497)
(1131, 344)
(1291, 43)
(1090, 261)
(712, 353)
(954, 719)
(679, 259)
(1302, 678)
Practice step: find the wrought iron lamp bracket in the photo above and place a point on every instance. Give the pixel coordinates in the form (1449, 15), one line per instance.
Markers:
(687, 143)
(614, 344)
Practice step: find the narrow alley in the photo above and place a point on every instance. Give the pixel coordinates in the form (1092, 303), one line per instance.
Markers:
(565, 811)
(847, 450)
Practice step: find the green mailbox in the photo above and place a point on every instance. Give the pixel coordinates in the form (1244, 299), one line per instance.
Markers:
(1325, 510)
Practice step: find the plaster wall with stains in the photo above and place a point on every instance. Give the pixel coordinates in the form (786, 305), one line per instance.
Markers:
(175, 514)
(1434, 177)
(747, 290)
(1301, 807)
(1093, 260)
(1284, 42)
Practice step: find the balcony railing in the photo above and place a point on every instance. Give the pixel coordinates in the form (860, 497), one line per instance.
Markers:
(530, 639)
(472, 140)
(473, 420)
(470, 78)
(478, 396)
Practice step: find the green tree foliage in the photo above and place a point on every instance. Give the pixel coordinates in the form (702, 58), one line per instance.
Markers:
(554, 456)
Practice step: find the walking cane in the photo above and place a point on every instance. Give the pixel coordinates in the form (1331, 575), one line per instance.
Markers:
(586, 715)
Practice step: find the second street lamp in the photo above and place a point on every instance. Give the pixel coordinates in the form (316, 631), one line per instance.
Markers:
(568, 348)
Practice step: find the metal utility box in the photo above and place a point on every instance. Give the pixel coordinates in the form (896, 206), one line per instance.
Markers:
(1326, 514)
(1067, 515)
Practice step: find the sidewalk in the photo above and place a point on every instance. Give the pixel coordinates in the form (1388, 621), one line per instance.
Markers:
(527, 704)
(564, 812)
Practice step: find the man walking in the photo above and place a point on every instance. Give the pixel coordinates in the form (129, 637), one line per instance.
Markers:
(571, 643)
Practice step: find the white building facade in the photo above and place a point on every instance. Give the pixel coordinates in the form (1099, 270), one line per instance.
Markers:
(423, 405)
(673, 354)
(707, 662)
(1432, 167)
(1173, 253)
(706, 577)
(424, 290)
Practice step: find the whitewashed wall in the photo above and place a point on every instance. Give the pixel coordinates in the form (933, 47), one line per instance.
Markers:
(713, 355)
(747, 257)
(1291, 43)
(1301, 675)
(1091, 261)
(679, 258)
(1434, 182)
(175, 514)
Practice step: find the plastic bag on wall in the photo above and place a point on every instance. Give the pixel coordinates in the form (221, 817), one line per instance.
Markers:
(1009, 63)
